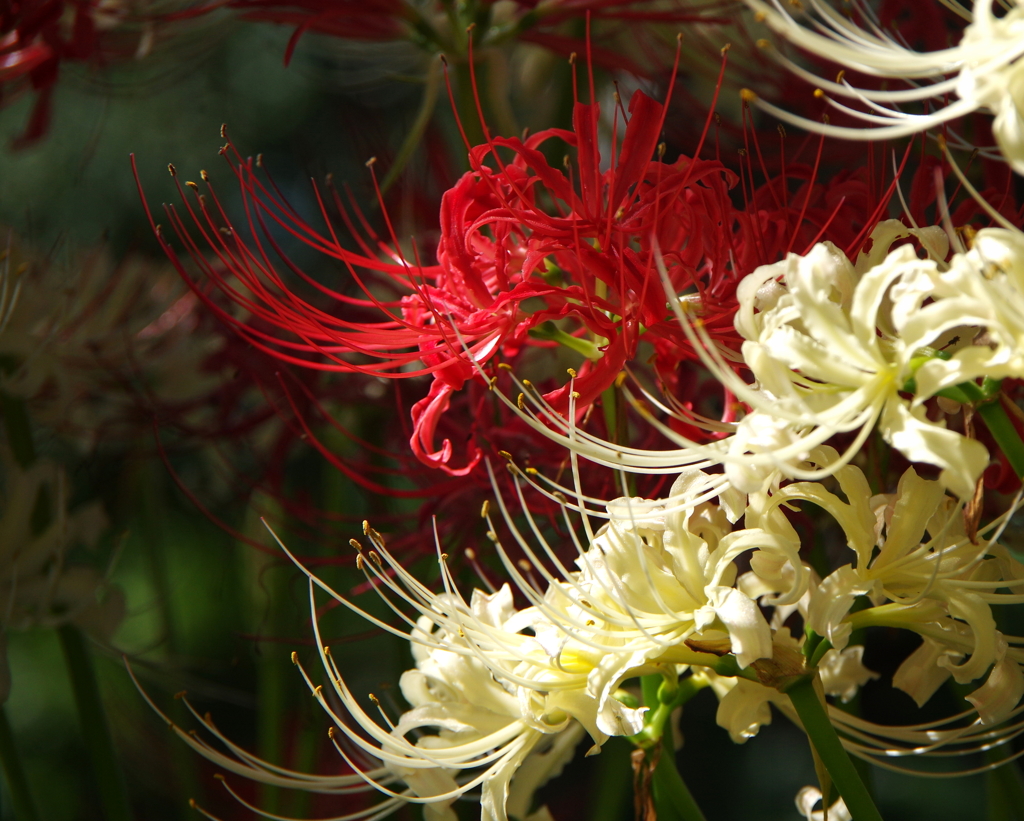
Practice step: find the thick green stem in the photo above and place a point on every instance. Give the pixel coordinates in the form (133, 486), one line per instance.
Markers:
(609, 800)
(1005, 434)
(95, 732)
(814, 716)
(14, 774)
(672, 798)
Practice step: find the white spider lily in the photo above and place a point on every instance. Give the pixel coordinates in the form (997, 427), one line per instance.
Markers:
(657, 575)
(984, 70)
(834, 346)
(980, 297)
(466, 730)
(475, 686)
(922, 572)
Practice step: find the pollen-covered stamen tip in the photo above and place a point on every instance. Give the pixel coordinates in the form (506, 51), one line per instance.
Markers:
(748, 95)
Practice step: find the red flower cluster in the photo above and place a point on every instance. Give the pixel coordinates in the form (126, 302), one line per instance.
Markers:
(528, 255)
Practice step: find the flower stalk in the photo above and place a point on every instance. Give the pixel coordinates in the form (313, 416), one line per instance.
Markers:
(814, 716)
(673, 800)
(95, 731)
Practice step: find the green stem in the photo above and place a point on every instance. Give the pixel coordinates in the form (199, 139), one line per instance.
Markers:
(999, 425)
(93, 718)
(609, 800)
(673, 800)
(419, 126)
(14, 773)
(814, 716)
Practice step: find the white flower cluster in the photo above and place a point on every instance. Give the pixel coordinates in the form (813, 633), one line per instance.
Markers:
(502, 692)
(984, 70)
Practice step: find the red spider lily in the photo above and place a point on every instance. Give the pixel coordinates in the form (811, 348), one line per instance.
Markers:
(518, 234)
